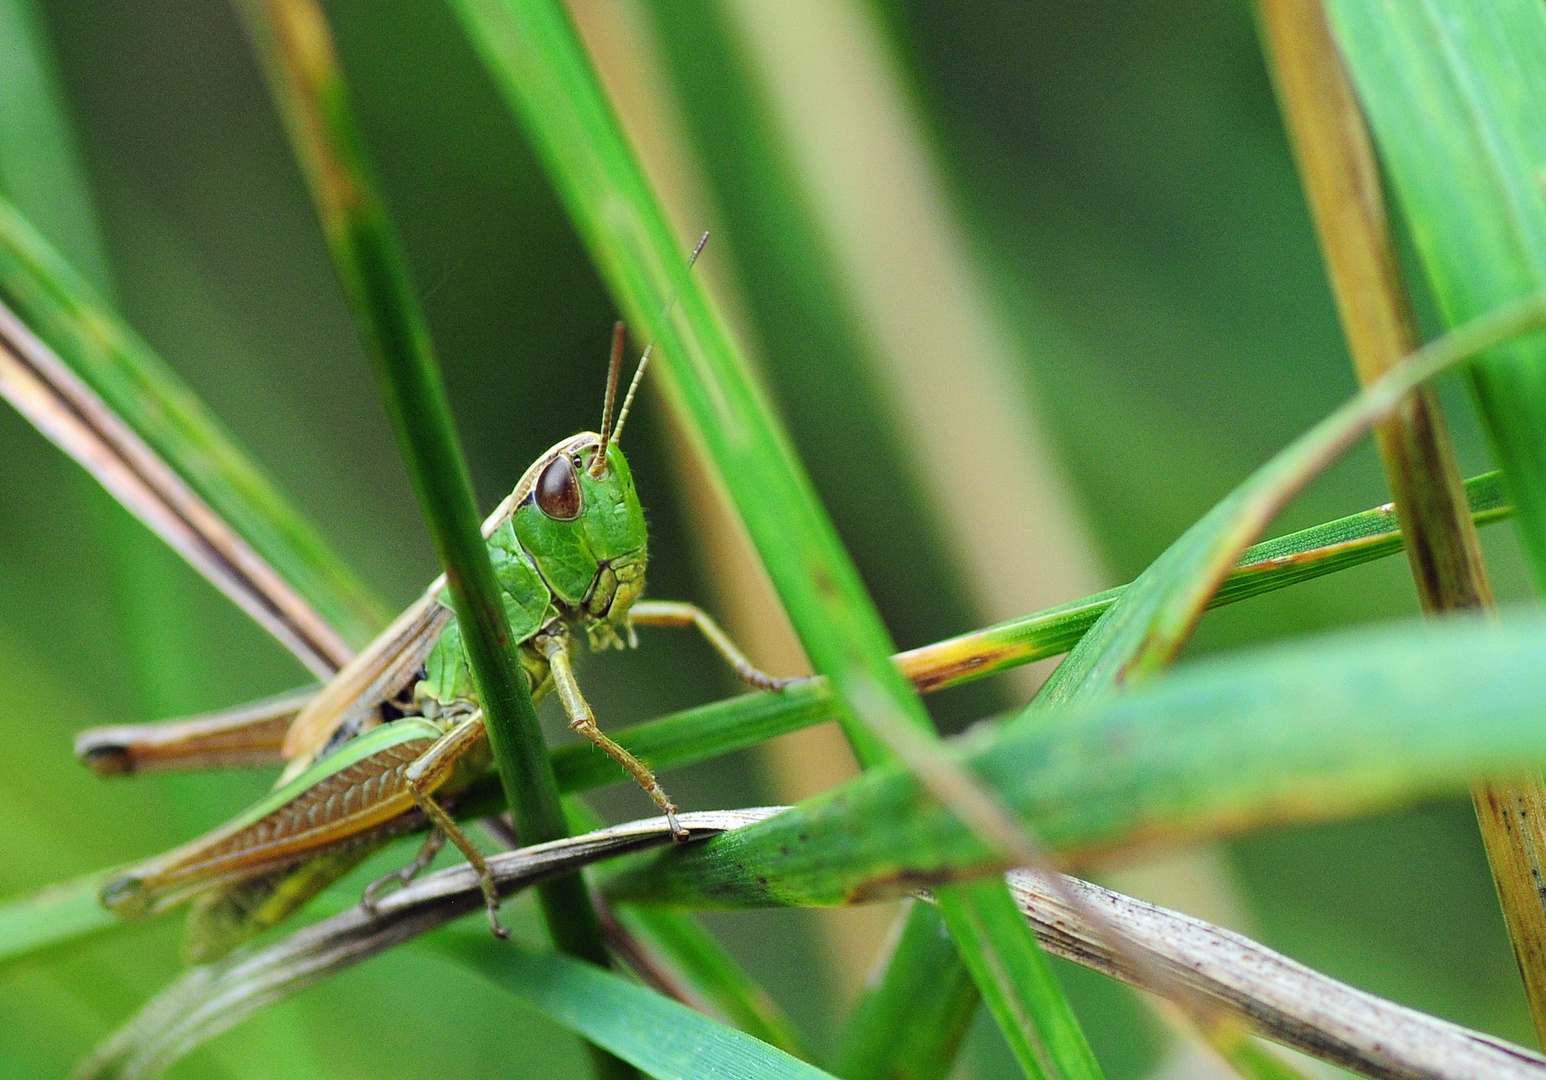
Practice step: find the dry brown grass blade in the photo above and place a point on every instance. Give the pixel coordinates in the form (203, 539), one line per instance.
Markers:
(1276, 997)
(1271, 994)
(1342, 184)
(71, 416)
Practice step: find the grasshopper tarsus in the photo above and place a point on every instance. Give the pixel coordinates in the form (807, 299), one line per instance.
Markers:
(679, 832)
(762, 680)
(426, 855)
(490, 899)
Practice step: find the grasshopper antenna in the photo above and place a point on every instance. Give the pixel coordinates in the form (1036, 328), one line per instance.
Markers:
(622, 415)
(614, 369)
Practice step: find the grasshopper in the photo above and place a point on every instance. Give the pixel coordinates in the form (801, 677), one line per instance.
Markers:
(392, 739)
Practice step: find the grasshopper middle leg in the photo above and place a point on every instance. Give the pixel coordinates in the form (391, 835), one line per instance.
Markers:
(431, 769)
(677, 613)
(554, 644)
(431, 847)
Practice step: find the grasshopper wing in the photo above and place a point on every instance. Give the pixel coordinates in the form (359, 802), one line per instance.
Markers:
(249, 734)
(354, 796)
(386, 667)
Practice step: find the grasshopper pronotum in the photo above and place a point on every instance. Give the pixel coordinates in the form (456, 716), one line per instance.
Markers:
(399, 729)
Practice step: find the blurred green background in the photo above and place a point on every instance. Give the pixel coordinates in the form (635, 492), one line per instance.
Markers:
(1116, 180)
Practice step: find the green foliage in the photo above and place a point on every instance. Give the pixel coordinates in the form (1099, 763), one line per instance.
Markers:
(937, 1002)
(695, 958)
(1150, 263)
(713, 974)
(63, 310)
(1224, 746)
(660, 1037)
(1016, 980)
(536, 58)
(295, 45)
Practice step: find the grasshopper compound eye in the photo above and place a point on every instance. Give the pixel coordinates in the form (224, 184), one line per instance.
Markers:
(558, 490)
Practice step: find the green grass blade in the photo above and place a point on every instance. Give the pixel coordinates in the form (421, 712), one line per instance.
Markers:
(712, 974)
(53, 916)
(913, 1021)
(815, 317)
(655, 1034)
(709, 731)
(1343, 725)
(537, 62)
(66, 313)
(697, 961)
(1145, 628)
(294, 42)
(40, 165)
(1016, 982)
(1451, 93)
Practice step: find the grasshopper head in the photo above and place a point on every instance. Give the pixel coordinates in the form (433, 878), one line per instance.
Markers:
(583, 526)
(578, 515)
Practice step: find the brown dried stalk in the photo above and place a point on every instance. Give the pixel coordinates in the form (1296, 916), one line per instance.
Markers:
(1271, 994)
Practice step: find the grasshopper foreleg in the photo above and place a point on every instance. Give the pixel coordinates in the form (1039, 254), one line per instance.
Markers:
(428, 772)
(431, 847)
(554, 644)
(676, 613)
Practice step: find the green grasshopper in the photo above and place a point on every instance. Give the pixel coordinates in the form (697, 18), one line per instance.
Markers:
(398, 732)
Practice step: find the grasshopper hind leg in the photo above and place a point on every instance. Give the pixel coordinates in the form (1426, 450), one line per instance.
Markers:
(427, 852)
